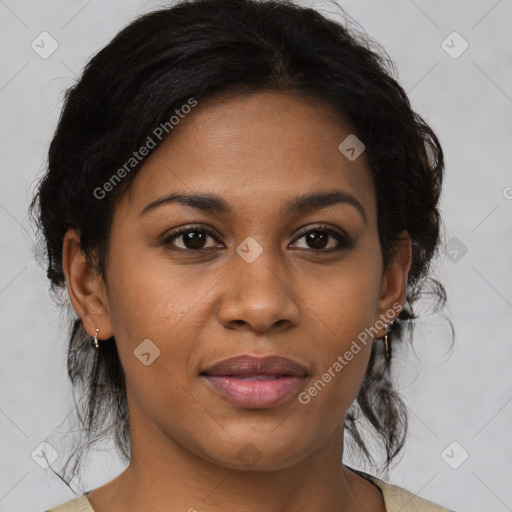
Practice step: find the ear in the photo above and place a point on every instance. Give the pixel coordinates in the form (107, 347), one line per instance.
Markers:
(394, 282)
(85, 287)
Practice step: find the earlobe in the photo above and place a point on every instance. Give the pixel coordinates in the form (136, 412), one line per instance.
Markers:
(394, 285)
(85, 287)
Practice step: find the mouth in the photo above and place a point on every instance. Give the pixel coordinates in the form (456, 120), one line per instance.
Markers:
(255, 382)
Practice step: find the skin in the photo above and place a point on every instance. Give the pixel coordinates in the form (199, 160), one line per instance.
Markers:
(257, 152)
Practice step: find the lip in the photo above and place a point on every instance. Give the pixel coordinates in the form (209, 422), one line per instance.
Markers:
(255, 382)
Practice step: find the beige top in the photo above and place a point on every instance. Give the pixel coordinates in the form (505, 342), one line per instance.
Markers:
(395, 499)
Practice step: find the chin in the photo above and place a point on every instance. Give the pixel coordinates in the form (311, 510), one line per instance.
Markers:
(256, 453)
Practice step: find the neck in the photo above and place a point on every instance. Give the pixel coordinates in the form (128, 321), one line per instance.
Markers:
(165, 476)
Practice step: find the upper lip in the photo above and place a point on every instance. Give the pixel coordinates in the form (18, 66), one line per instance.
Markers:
(249, 365)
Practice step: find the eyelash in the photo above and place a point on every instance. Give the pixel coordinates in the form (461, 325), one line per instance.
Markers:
(345, 242)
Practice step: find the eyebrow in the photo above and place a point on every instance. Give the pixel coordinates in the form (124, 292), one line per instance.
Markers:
(212, 203)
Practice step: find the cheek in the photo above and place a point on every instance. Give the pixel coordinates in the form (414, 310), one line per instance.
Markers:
(148, 296)
(336, 380)
(340, 312)
(343, 302)
(157, 317)
(149, 300)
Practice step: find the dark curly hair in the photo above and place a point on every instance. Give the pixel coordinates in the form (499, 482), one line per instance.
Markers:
(209, 48)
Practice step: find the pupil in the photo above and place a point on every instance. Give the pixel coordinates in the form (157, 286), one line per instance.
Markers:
(316, 238)
(194, 239)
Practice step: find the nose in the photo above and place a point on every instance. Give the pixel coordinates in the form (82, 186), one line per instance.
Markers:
(258, 296)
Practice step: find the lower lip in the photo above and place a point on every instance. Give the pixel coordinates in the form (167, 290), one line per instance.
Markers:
(254, 394)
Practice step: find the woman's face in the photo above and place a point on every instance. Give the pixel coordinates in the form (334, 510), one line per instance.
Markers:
(247, 275)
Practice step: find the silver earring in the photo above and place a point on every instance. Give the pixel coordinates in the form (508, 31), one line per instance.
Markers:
(94, 341)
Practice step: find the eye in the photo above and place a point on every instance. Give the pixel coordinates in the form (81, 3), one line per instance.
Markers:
(318, 239)
(190, 238)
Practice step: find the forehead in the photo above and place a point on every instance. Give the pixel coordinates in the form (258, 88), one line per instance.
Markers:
(255, 150)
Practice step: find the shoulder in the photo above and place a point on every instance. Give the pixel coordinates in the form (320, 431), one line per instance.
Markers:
(80, 504)
(398, 499)
(395, 498)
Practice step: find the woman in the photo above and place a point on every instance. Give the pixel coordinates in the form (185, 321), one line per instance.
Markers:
(243, 208)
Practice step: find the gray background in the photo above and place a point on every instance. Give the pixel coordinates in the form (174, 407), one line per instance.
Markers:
(463, 395)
